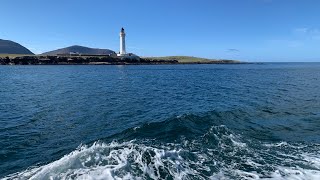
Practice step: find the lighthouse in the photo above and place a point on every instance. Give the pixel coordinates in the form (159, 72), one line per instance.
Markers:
(123, 53)
(122, 43)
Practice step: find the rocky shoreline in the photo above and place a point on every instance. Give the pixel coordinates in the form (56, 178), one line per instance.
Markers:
(96, 60)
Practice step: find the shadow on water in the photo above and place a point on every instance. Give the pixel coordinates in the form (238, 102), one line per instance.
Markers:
(266, 125)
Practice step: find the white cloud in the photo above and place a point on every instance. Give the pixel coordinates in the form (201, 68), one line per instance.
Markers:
(307, 33)
(315, 34)
(300, 30)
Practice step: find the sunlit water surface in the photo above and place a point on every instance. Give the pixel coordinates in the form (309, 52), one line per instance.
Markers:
(245, 121)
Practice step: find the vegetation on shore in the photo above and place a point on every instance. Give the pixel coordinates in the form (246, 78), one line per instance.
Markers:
(14, 55)
(191, 59)
(13, 59)
(65, 60)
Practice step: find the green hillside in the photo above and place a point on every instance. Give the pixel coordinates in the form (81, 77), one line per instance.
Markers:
(191, 59)
(14, 55)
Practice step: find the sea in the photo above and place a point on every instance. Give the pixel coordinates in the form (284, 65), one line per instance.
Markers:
(217, 121)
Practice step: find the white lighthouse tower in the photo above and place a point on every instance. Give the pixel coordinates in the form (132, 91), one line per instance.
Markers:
(123, 53)
(122, 43)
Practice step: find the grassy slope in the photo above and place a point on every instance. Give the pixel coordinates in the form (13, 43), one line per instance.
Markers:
(184, 59)
(14, 55)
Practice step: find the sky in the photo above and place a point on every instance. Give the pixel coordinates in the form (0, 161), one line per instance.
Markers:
(248, 30)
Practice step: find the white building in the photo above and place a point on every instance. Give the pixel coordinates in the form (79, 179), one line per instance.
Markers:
(122, 43)
(123, 52)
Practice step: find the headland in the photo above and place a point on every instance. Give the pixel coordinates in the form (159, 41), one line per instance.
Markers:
(11, 59)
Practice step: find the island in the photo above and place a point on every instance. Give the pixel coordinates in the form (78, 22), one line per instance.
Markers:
(11, 59)
(13, 53)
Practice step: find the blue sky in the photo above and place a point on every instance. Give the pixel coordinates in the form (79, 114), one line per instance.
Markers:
(251, 30)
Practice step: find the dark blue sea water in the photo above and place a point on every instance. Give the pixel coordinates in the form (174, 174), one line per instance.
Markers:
(246, 121)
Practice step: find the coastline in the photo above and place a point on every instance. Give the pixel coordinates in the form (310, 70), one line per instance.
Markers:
(105, 60)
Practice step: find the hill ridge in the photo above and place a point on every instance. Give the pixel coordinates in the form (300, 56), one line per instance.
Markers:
(79, 49)
(11, 47)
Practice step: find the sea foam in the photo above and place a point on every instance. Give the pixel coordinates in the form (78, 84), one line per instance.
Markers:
(229, 157)
(111, 161)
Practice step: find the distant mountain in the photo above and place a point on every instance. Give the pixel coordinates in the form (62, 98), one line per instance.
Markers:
(10, 47)
(79, 50)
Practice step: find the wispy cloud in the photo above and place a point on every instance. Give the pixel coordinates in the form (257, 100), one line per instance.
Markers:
(298, 37)
(233, 50)
(310, 33)
(300, 30)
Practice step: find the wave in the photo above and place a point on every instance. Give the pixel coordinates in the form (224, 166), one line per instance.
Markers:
(131, 160)
(185, 147)
(263, 125)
